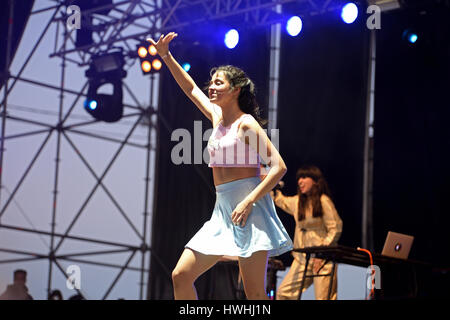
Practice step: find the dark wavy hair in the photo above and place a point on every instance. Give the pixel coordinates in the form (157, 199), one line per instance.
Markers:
(318, 189)
(247, 97)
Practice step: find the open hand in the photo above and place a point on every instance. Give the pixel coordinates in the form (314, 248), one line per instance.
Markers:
(241, 212)
(162, 46)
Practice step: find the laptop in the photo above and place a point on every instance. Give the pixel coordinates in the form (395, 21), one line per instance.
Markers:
(397, 245)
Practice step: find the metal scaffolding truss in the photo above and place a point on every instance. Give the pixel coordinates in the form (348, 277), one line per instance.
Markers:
(138, 115)
(161, 16)
(127, 23)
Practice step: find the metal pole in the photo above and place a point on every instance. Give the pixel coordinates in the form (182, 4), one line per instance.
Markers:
(147, 182)
(155, 188)
(367, 226)
(57, 160)
(275, 39)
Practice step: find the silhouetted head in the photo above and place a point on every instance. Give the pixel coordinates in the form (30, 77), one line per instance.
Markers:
(55, 295)
(20, 276)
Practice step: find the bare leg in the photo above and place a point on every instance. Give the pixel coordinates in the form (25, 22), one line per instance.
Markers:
(189, 267)
(253, 271)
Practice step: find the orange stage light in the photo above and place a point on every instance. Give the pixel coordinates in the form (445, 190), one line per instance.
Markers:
(156, 64)
(152, 50)
(142, 52)
(146, 66)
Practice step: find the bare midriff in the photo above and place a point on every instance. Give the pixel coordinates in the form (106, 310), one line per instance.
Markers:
(223, 175)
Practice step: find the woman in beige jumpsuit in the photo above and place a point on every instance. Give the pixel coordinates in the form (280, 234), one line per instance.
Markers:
(317, 224)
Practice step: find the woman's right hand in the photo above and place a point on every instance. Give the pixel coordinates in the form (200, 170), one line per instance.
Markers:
(162, 46)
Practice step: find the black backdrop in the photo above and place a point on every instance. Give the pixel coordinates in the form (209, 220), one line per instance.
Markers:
(322, 99)
(412, 148)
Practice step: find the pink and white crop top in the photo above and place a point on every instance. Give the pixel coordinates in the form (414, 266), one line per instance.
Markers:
(227, 150)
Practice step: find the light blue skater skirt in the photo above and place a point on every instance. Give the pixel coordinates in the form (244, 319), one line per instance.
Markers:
(263, 230)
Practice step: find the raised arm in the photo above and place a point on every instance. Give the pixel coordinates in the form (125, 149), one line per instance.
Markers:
(286, 203)
(184, 80)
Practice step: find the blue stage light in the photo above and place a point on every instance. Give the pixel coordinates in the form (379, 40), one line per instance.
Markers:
(186, 66)
(231, 38)
(294, 26)
(91, 104)
(349, 13)
(412, 38)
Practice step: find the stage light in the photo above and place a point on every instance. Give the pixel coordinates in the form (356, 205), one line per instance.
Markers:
(152, 50)
(107, 63)
(349, 13)
(91, 104)
(231, 39)
(186, 66)
(156, 64)
(146, 66)
(294, 26)
(410, 36)
(142, 52)
(106, 68)
(146, 54)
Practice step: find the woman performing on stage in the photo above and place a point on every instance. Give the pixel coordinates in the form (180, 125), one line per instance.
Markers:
(244, 222)
(317, 223)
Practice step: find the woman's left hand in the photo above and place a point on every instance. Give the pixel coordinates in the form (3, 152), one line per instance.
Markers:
(241, 212)
(162, 45)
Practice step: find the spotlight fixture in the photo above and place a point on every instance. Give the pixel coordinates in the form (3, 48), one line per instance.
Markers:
(410, 35)
(186, 66)
(105, 68)
(294, 26)
(349, 13)
(231, 38)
